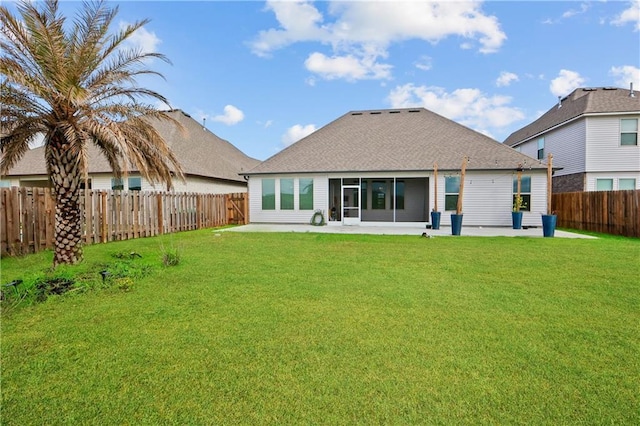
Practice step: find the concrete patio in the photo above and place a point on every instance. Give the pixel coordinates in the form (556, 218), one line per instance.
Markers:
(444, 231)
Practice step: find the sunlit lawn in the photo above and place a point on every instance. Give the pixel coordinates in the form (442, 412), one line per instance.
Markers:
(332, 329)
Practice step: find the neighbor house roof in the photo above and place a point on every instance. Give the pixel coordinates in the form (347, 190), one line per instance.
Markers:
(199, 151)
(582, 101)
(411, 139)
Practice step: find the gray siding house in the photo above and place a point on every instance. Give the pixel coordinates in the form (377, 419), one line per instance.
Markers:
(593, 135)
(211, 165)
(378, 168)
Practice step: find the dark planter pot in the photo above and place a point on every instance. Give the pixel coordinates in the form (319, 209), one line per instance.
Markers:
(516, 220)
(548, 224)
(435, 220)
(456, 223)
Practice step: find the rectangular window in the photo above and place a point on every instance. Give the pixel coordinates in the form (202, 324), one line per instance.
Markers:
(379, 195)
(399, 195)
(306, 194)
(541, 149)
(525, 193)
(604, 184)
(5, 184)
(268, 194)
(626, 184)
(363, 195)
(286, 194)
(117, 184)
(629, 131)
(451, 191)
(135, 184)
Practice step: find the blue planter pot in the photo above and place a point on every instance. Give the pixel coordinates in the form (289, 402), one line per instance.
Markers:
(435, 220)
(516, 220)
(548, 224)
(456, 223)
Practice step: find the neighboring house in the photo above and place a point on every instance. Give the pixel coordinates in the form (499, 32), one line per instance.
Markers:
(377, 167)
(210, 164)
(593, 135)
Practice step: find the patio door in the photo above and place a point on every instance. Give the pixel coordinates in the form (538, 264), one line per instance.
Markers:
(350, 204)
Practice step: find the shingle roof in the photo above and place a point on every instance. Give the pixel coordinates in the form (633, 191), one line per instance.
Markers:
(582, 101)
(199, 151)
(393, 140)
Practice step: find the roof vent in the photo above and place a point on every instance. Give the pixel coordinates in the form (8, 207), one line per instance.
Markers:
(356, 113)
(375, 112)
(394, 112)
(559, 102)
(414, 110)
(609, 88)
(631, 94)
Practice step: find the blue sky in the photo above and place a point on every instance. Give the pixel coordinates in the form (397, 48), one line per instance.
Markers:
(264, 74)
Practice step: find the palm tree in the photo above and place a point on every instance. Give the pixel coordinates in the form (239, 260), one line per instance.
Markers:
(76, 85)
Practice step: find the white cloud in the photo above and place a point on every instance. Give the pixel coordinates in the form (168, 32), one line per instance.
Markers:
(231, 116)
(470, 107)
(506, 78)
(297, 132)
(142, 39)
(425, 63)
(566, 82)
(631, 14)
(573, 12)
(626, 74)
(347, 67)
(360, 32)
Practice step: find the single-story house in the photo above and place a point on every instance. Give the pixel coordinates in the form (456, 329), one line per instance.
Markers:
(210, 164)
(378, 167)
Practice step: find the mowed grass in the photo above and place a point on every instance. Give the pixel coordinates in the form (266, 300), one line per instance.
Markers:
(335, 329)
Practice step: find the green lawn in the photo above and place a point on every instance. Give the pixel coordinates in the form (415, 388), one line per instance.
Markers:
(331, 329)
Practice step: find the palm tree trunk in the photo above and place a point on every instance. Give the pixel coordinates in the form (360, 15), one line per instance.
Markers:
(65, 176)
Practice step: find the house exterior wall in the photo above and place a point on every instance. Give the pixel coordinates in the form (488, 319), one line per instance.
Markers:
(604, 152)
(103, 182)
(487, 198)
(591, 179)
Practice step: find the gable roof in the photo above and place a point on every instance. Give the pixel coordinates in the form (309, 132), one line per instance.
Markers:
(410, 139)
(582, 101)
(199, 151)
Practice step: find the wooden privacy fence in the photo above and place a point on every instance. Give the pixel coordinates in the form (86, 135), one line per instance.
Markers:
(610, 212)
(27, 216)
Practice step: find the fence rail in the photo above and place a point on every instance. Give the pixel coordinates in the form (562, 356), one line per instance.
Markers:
(27, 215)
(610, 212)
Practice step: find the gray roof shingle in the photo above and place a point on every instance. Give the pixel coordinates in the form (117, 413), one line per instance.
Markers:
(581, 101)
(200, 152)
(410, 139)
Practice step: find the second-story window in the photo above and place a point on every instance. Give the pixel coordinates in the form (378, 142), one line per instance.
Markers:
(541, 149)
(629, 131)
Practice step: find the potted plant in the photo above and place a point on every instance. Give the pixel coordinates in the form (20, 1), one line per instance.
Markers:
(516, 214)
(456, 218)
(518, 202)
(435, 214)
(549, 219)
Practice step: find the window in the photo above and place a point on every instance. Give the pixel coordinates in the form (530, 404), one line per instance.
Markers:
(629, 131)
(378, 195)
(604, 184)
(5, 184)
(135, 184)
(306, 194)
(541, 149)
(363, 195)
(268, 194)
(117, 184)
(625, 184)
(525, 192)
(286, 194)
(451, 191)
(399, 195)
